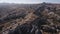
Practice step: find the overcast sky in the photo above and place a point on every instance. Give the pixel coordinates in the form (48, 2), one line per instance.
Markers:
(29, 1)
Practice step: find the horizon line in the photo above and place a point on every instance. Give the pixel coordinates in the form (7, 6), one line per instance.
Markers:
(29, 3)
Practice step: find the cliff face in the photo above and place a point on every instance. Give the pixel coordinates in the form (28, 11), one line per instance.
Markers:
(30, 19)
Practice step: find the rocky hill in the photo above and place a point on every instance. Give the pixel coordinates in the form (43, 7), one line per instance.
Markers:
(41, 18)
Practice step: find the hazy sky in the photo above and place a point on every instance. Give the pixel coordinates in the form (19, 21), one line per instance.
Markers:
(51, 1)
(29, 1)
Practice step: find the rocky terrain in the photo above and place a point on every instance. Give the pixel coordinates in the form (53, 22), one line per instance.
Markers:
(41, 18)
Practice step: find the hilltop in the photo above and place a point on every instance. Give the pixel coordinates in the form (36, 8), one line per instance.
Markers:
(41, 18)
